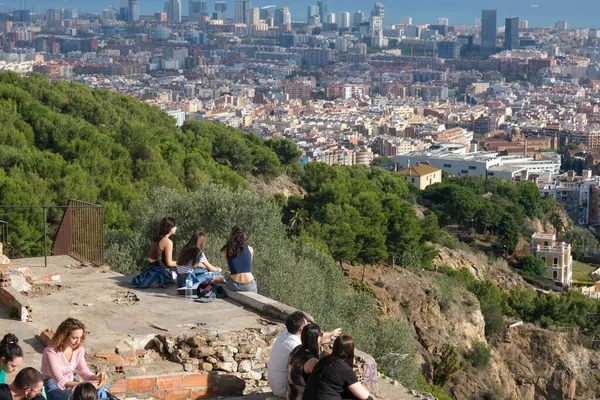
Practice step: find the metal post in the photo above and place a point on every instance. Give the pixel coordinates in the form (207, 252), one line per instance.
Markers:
(45, 240)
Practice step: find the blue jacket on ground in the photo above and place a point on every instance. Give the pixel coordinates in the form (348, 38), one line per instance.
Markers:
(150, 275)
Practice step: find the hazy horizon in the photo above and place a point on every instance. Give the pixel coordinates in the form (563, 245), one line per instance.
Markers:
(578, 14)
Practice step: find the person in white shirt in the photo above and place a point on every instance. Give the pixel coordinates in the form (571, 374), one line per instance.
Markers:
(283, 346)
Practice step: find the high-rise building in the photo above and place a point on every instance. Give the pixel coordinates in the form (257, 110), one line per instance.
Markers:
(511, 33)
(242, 11)
(488, 31)
(378, 10)
(375, 25)
(442, 21)
(406, 21)
(359, 18)
(330, 18)
(134, 10)
(323, 9)
(561, 25)
(282, 16)
(523, 24)
(312, 11)
(345, 19)
(254, 16)
(197, 9)
(174, 10)
(220, 10)
(70, 13)
(22, 16)
(478, 23)
(265, 13)
(449, 49)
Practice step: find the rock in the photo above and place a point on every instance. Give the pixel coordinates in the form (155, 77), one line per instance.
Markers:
(206, 367)
(187, 367)
(196, 341)
(268, 330)
(225, 366)
(245, 366)
(205, 351)
(124, 349)
(257, 376)
(158, 344)
(232, 349)
(211, 360)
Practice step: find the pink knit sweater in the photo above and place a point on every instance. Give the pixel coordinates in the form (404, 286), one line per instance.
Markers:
(55, 366)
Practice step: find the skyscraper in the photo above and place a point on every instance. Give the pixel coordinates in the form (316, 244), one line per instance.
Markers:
(359, 18)
(312, 11)
(282, 16)
(254, 16)
(242, 11)
(511, 33)
(220, 10)
(323, 9)
(345, 19)
(174, 10)
(406, 21)
(134, 10)
(197, 9)
(442, 21)
(378, 10)
(488, 31)
(330, 18)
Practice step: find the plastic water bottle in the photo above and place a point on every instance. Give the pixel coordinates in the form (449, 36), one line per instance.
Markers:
(189, 285)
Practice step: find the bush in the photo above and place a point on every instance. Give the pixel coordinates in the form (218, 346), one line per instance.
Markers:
(479, 356)
(446, 365)
(363, 288)
(289, 270)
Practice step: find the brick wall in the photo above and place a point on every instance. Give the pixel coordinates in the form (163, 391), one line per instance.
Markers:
(179, 386)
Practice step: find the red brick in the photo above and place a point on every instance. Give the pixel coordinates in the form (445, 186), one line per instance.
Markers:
(179, 394)
(195, 380)
(159, 394)
(130, 359)
(203, 394)
(140, 384)
(109, 357)
(168, 382)
(46, 336)
(120, 386)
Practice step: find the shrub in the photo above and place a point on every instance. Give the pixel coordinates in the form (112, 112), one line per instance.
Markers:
(446, 365)
(480, 355)
(363, 288)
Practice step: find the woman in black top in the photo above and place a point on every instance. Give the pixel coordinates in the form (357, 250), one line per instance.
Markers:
(333, 377)
(302, 361)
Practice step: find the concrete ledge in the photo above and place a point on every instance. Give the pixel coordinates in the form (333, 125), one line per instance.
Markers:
(13, 299)
(263, 305)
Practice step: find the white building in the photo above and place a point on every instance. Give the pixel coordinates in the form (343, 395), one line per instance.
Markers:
(178, 115)
(557, 257)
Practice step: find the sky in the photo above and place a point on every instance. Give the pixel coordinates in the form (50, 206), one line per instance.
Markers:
(539, 13)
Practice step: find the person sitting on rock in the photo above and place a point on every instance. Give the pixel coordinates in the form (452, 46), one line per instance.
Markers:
(333, 378)
(192, 260)
(11, 356)
(27, 385)
(64, 355)
(239, 260)
(287, 341)
(302, 361)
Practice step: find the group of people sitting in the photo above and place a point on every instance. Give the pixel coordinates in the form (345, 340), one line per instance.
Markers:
(297, 368)
(56, 380)
(192, 259)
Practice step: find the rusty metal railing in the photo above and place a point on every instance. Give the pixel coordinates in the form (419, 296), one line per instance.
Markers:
(80, 233)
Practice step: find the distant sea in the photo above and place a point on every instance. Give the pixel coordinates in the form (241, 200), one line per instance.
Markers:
(539, 13)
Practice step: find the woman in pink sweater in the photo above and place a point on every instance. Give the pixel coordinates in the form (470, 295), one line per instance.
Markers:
(62, 357)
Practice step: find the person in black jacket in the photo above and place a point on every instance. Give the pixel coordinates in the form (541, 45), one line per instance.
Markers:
(333, 377)
(28, 385)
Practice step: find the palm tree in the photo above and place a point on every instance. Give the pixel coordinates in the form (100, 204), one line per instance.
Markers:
(298, 221)
(557, 222)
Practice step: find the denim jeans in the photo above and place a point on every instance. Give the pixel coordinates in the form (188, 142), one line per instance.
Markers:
(199, 275)
(54, 393)
(235, 286)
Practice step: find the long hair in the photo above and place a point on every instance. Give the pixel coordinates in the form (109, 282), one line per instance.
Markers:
(64, 330)
(85, 391)
(189, 253)
(310, 339)
(9, 348)
(235, 244)
(343, 348)
(164, 228)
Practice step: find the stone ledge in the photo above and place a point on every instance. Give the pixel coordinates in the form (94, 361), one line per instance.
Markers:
(262, 304)
(13, 299)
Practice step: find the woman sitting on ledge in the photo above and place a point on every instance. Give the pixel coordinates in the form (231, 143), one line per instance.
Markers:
(192, 260)
(64, 355)
(161, 248)
(302, 361)
(239, 259)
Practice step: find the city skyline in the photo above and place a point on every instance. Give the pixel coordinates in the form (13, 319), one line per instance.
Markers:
(577, 13)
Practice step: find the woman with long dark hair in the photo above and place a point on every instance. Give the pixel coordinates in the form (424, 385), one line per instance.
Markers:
(333, 377)
(239, 259)
(11, 356)
(85, 391)
(161, 248)
(193, 260)
(64, 355)
(303, 360)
